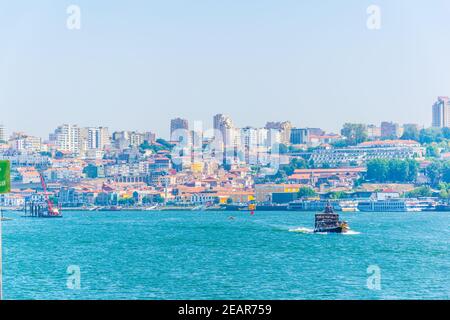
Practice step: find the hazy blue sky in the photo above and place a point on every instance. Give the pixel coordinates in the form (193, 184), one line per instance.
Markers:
(136, 64)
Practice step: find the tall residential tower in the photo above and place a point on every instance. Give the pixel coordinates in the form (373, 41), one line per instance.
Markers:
(441, 113)
(178, 129)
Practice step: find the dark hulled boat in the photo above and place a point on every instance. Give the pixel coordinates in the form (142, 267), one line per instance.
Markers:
(329, 222)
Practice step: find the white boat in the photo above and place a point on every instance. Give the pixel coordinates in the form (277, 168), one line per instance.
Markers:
(396, 205)
(349, 206)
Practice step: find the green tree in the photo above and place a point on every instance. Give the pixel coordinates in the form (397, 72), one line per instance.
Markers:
(433, 172)
(165, 144)
(299, 163)
(430, 135)
(305, 192)
(158, 199)
(445, 171)
(411, 133)
(126, 202)
(377, 170)
(337, 195)
(446, 132)
(424, 191)
(432, 151)
(443, 194)
(398, 171)
(354, 133)
(413, 169)
(394, 170)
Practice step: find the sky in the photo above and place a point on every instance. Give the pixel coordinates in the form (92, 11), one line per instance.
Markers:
(134, 64)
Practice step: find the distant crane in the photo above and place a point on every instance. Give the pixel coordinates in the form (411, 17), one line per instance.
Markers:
(52, 211)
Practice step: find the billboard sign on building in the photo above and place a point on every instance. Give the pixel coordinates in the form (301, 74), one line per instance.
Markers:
(5, 177)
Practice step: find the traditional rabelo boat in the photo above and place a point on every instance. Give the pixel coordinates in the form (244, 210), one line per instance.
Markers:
(328, 222)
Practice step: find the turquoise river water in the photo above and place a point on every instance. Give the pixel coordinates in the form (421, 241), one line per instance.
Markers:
(207, 255)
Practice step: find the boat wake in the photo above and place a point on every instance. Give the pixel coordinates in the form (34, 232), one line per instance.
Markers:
(302, 230)
(351, 233)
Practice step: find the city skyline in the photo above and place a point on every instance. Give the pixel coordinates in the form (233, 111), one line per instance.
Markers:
(192, 125)
(202, 59)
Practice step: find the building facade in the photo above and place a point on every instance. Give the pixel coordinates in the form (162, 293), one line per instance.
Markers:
(390, 130)
(285, 129)
(67, 138)
(179, 129)
(299, 136)
(224, 130)
(441, 113)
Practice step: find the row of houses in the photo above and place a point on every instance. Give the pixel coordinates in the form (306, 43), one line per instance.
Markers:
(360, 154)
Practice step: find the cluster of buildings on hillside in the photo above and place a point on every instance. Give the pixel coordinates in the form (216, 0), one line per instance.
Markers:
(90, 166)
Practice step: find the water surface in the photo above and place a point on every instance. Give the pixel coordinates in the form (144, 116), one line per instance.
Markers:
(206, 255)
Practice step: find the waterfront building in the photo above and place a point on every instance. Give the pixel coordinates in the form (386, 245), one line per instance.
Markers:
(264, 192)
(284, 197)
(12, 200)
(441, 113)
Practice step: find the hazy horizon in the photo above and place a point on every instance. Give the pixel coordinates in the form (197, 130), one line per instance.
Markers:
(135, 66)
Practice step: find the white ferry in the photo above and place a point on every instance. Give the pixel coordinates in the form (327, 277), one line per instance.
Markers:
(320, 205)
(396, 205)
